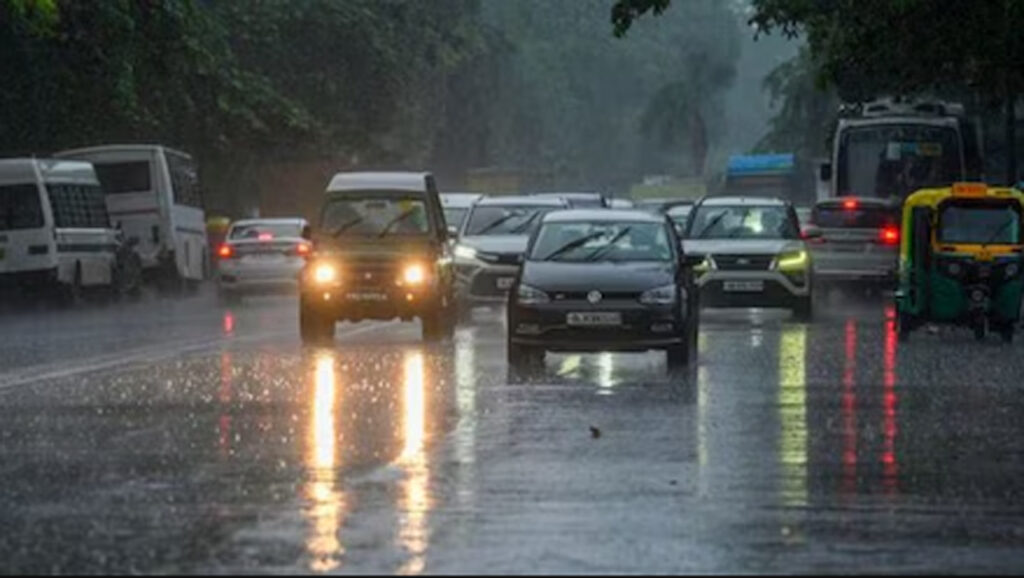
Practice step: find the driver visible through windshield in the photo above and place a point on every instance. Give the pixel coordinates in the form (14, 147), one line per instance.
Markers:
(743, 222)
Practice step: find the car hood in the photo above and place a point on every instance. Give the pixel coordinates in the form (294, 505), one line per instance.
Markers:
(605, 276)
(740, 246)
(499, 244)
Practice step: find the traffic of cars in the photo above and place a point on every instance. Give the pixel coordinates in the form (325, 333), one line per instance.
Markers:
(574, 271)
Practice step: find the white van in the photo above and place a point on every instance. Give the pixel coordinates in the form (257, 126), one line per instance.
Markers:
(153, 195)
(54, 228)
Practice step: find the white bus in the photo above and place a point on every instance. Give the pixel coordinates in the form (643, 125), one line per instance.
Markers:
(54, 230)
(154, 196)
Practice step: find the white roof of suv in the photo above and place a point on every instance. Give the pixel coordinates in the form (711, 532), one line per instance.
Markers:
(397, 181)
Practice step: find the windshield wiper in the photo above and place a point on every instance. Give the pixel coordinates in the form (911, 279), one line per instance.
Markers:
(998, 232)
(525, 224)
(611, 243)
(387, 228)
(711, 225)
(574, 244)
(337, 232)
(495, 223)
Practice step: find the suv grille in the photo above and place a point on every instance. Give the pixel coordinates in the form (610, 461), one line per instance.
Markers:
(744, 262)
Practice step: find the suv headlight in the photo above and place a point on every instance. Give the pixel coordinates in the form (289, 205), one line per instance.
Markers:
(793, 261)
(465, 252)
(527, 295)
(325, 274)
(660, 295)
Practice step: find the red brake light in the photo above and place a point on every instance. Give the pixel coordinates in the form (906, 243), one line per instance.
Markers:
(850, 204)
(225, 251)
(266, 237)
(890, 235)
(303, 249)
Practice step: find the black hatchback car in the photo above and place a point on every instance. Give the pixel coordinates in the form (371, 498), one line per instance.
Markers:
(602, 280)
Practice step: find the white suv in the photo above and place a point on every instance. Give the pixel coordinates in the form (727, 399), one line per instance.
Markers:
(754, 254)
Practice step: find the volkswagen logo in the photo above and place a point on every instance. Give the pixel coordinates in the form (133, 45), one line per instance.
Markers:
(742, 261)
(594, 296)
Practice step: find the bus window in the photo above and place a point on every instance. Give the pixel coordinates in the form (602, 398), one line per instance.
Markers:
(129, 177)
(78, 206)
(20, 207)
(184, 181)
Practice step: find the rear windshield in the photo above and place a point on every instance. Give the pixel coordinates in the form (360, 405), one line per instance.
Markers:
(265, 231)
(130, 177)
(505, 220)
(20, 207)
(78, 206)
(862, 217)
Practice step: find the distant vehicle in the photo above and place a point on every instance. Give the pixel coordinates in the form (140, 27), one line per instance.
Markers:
(889, 149)
(381, 252)
(261, 254)
(456, 207)
(578, 200)
(55, 234)
(491, 245)
(602, 280)
(766, 175)
(859, 242)
(753, 253)
(678, 210)
(153, 194)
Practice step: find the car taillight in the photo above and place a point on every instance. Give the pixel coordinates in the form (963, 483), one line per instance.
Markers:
(850, 204)
(303, 250)
(266, 237)
(226, 251)
(889, 236)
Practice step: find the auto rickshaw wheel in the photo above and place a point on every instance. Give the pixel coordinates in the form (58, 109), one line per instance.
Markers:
(979, 331)
(903, 327)
(1007, 333)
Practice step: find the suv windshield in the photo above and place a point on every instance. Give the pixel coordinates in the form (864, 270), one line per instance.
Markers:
(505, 220)
(974, 224)
(375, 216)
(743, 222)
(605, 241)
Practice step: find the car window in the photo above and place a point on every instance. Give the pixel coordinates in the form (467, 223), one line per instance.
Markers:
(974, 224)
(743, 222)
(861, 217)
(604, 241)
(78, 205)
(265, 231)
(505, 220)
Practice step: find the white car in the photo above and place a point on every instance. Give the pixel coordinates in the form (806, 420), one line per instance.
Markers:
(456, 206)
(262, 254)
(754, 254)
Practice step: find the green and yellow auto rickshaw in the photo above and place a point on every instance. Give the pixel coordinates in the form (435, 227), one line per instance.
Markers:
(961, 259)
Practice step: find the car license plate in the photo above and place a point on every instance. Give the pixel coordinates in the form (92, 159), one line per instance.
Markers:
(592, 319)
(743, 286)
(368, 296)
(504, 283)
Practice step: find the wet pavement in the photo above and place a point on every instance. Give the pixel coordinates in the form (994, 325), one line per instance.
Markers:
(181, 436)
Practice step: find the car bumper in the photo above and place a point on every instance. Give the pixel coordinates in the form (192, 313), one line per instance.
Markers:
(778, 289)
(233, 274)
(478, 283)
(643, 327)
(376, 303)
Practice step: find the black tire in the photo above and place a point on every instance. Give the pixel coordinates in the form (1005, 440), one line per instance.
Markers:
(979, 331)
(1007, 333)
(315, 328)
(70, 295)
(677, 357)
(803, 311)
(524, 360)
(128, 277)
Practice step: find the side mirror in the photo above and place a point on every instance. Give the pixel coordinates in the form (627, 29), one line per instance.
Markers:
(825, 172)
(809, 232)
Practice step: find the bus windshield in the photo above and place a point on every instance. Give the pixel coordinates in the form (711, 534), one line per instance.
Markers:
(893, 161)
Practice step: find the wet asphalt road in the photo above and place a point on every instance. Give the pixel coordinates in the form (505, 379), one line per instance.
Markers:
(181, 436)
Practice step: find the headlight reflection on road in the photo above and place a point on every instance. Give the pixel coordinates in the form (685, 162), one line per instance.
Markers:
(793, 415)
(415, 499)
(327, 504)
